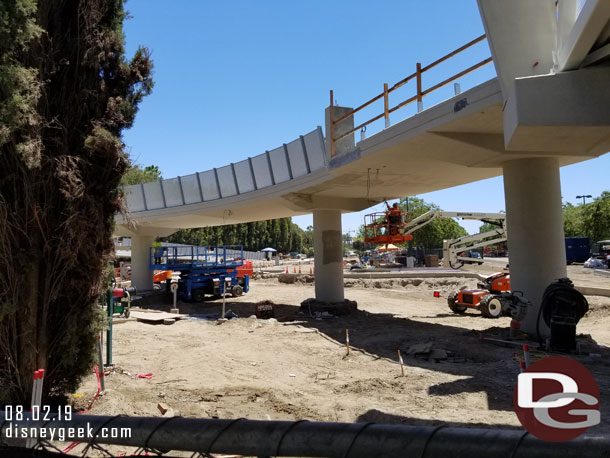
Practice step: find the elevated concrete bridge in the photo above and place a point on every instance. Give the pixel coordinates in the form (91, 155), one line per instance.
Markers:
(548, 107)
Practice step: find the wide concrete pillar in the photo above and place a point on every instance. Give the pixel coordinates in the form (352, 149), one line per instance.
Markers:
(328, 255)
(536, 242)
(141, 274)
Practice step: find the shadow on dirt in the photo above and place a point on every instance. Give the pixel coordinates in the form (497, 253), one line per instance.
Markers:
(461, 352)
(377, 416)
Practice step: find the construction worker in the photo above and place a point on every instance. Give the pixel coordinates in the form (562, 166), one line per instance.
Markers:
(394, 216)
(157, 251)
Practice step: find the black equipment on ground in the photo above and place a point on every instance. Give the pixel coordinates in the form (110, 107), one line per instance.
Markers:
(562, 308)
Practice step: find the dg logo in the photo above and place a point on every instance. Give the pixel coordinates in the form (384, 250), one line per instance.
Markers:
(557, 399)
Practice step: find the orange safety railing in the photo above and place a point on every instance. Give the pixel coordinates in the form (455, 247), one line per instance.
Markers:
(419, 70)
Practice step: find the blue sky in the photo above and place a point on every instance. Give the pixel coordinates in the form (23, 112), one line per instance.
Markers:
(235, 78)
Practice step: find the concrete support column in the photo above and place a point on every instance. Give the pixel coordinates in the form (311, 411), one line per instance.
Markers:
(328, 255)
(536, 242)
(141, 274)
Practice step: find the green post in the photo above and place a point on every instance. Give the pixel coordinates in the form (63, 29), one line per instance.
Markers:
(110, 303)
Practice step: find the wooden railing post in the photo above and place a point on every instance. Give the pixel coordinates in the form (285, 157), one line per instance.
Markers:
(332, 125)
(386, 105)
(420, 103)
(333, 137)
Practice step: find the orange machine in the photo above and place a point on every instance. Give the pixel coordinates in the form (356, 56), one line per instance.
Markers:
(489, 299)
(160, 276)
(245, 269)
(383, 228)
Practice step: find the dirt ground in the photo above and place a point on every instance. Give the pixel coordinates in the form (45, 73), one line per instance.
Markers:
(296, 367)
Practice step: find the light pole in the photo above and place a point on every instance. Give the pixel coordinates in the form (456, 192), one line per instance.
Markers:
(583, 197)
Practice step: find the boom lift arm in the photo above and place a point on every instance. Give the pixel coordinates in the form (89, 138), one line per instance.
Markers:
(451, 248)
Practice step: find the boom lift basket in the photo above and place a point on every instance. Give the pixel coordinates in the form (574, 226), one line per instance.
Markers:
(383, 228)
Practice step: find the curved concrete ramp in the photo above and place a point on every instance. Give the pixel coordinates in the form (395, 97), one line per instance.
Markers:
(244, 184)
(293, 160)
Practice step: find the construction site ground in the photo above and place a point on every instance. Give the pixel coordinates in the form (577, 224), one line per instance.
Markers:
(296, 366)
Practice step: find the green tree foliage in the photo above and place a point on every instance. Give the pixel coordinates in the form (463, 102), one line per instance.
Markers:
(19, 82)
(66, 94)
(433, 234)
(486, 227)
(136, 174)
(590, 220)
(595, 218)
(281, 234)
(573, 220)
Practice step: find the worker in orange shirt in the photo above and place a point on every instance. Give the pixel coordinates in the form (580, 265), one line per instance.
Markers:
(394, 218)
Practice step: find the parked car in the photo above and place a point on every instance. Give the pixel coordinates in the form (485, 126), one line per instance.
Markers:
(475, 255)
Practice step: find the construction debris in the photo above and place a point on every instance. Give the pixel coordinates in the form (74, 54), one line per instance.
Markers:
(156, 317)
(162, 408)
(428, 351)
(312, 306)
(420, 349)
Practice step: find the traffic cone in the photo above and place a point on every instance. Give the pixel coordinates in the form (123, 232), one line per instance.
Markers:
(310, 271)
(286, 269)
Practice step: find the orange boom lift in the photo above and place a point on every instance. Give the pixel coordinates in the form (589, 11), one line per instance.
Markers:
(383, 228)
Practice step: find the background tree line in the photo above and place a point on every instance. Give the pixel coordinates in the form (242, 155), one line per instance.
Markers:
(588, 220)
(281, 234)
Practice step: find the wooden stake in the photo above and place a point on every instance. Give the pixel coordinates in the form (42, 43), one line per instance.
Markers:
(100, 362)
(347, 340)
(526, 355)
(402, 367)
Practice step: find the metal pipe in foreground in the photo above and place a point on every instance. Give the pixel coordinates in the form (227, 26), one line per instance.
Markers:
(283, 438)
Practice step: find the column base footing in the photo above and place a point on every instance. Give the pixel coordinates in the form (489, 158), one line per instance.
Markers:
(312, 306)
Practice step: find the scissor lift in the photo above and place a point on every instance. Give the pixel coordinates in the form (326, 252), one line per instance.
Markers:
(211, 271)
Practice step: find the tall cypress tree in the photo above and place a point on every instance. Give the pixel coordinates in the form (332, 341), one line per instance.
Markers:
(66, 94)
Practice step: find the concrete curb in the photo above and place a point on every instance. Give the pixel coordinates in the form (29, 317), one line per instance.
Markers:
(593, 291)
(421, 274)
